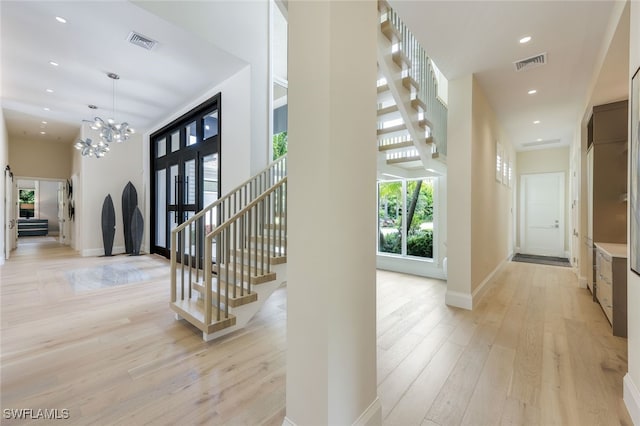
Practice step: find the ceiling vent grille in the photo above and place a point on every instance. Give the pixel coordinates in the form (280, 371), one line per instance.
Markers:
(538, 143)
(532, 62)
(142, 41)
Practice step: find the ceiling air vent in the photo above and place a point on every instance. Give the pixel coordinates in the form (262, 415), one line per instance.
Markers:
(538, 143)
(142, 41)
(532, 62)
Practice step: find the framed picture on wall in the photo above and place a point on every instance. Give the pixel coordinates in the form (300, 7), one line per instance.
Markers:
(634, 176)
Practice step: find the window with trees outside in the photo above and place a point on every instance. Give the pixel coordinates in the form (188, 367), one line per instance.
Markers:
(405, 217)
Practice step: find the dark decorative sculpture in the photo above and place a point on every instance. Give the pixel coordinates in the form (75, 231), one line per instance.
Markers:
(137, 228)
(129, 203)
(108, 225)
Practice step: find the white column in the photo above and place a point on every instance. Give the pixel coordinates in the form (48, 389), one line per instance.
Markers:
(459, 189)
(331, 321)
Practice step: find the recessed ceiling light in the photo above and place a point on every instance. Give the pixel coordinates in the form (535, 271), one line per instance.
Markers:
(43, 133)
(44, 122)
(54, 63)
(47, 109)
(526, 39)
(539, 140)
(536, 122)
(49, 90)
(61, 19)
(532, 92)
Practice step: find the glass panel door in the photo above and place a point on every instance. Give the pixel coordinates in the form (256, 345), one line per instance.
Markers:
(185, 176)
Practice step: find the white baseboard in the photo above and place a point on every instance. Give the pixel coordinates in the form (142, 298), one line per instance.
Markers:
(631, 397)
(482, 288)
(372, 416)
(458, 299)
(100, 251)
(582, 282)
(287, 422)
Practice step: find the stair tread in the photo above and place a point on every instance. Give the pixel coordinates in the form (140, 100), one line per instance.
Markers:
(408, 82)
(400, 160)
(234, 302)
(392, 129)
(390, 31)
(275, 259)
(387, 110)
(418, 104)
(383, 88)
(397, 145)
(193, 311)
(255, 276)
(400, 59)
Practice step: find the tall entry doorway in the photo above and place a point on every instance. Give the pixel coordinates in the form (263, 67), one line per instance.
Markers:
(185, 170)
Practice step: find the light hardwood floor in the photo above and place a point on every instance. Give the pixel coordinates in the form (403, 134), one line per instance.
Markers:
(536, 351)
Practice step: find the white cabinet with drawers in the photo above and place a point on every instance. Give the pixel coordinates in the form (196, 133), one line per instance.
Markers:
(611, 284)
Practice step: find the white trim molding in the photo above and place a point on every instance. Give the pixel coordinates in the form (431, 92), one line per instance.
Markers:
(458, 299)
(631, 397)
(287, 422)
(372, 416)
(482, 288)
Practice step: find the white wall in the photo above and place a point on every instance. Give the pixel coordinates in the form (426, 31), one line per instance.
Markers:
(98, 177)
(632, 379)
(242, 29)
(459, 192)
(235, 136)
(39, 158)
(480, 215)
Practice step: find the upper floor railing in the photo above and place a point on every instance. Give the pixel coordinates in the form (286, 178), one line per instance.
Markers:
(423, 72)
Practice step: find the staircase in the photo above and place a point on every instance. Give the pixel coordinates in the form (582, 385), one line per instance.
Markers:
(412, 119)
(228, 259)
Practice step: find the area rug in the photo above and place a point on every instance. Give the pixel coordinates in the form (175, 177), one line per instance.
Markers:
(542, 260)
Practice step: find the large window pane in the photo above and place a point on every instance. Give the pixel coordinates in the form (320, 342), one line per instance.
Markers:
(161, 147)
(161, 207)
(210, 124)
(390, 206)
(190, 182)
(175, 141)
(192, 136)
(419, 214)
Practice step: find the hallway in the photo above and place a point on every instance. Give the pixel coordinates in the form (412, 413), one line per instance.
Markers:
(536, 350)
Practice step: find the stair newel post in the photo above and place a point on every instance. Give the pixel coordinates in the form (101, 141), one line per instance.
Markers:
(208, 241)
(190, 255)
(172, 247)
(284, 215)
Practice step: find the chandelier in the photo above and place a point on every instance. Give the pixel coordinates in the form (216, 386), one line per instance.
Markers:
(110, 131)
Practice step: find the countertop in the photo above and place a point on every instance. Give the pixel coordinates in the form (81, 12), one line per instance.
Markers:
(613, 250)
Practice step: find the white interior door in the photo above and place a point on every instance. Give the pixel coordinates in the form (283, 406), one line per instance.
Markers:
(542, 214)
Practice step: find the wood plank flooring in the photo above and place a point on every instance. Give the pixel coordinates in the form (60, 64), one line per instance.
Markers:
(535, 351)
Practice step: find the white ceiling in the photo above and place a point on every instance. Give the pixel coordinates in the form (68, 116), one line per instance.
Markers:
(482, 38)
(463, 37)
(153, 84)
